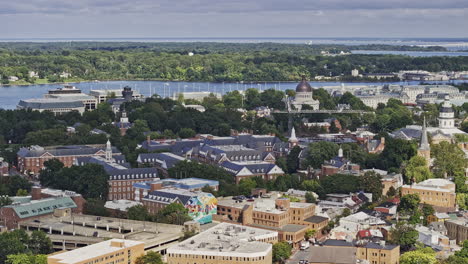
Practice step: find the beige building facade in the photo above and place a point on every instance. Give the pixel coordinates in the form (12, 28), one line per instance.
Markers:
(111, 251)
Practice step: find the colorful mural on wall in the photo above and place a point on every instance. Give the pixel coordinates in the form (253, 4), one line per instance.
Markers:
(202, 207)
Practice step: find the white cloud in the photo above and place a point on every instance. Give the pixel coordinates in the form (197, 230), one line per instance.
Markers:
(237, 18)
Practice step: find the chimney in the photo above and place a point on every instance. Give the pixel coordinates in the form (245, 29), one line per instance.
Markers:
(155, 186)
(382, 140)
(36, 193)
(148, 139)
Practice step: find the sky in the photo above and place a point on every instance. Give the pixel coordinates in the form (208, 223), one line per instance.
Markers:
(235, 18)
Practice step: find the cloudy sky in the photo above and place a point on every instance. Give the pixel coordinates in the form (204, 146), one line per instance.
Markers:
(234, 18)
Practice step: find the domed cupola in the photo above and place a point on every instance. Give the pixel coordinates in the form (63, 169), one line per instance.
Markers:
(446, 114)
(303, 86)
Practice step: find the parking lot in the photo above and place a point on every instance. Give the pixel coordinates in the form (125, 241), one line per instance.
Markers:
(300, 255)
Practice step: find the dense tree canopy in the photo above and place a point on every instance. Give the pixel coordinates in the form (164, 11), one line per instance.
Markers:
(90, 180)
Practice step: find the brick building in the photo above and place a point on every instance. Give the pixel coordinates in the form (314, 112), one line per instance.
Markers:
(31, 160)
(339, 164)
(37, 207)
(121, 176)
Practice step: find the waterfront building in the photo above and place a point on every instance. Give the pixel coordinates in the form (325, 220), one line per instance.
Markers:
(69, 92)
(198, 96)
(225, 244)
(109, 251)
(54, 105)
(125, 93)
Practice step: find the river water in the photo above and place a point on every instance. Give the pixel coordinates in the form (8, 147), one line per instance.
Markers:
(11, 95)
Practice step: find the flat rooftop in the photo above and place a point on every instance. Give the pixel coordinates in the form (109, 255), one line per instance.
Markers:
(93, 251)
(266, 205)
(88, 226)
(227, 239)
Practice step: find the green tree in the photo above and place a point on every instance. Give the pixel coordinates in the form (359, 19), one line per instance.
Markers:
(403, 235)
(421, 256)
(138, 212)
(320, 152)
(150, 258)
(409, 203)
(372, 182)
(281, 252)
(391, 191)
(40, 243)
(174, 213)
(4, 200)
(427, 210)
(449, 160)
(340, 183)
(417, 170)
(310, 198)
(26, 259)
(90, 180)
(309, 234)
(12, 243)
(246, 186)
(292, 160)
(186, 133)
(96, 207)
(21, 192)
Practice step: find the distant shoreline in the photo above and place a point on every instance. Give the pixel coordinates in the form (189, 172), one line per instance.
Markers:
(175, 81)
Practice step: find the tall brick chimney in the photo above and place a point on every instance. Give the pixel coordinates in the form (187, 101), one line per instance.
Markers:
(36, 193)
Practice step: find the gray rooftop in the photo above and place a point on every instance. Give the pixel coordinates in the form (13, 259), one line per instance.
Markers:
(227, 240)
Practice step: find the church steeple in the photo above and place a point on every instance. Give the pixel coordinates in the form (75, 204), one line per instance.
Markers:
(424, 143)
(424, 149)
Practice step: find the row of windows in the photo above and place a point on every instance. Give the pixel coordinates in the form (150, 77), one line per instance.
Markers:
(133, 176)
(216, 257)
